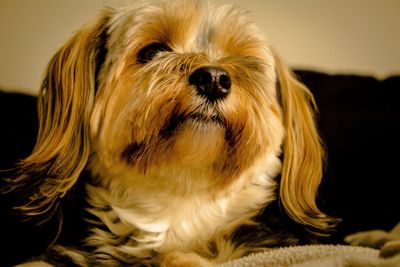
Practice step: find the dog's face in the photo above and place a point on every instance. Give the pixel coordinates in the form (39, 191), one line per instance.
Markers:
(177, 89)
(186, 87)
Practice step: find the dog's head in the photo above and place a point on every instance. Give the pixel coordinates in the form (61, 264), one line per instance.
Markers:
(172, 85)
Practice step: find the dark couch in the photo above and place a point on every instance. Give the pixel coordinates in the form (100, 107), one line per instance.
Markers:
(358, 121)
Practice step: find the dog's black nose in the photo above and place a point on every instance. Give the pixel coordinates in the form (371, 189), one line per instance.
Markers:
(211, 82)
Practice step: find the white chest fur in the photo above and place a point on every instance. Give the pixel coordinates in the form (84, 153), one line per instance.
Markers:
(160, 221)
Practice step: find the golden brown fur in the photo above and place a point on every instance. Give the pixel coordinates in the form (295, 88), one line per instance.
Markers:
(173, 171)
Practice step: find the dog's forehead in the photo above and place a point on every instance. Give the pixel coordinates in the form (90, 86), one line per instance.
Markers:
(190, 24)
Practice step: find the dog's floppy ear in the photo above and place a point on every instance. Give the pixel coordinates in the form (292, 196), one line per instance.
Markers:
(302, 151)
(64, 106)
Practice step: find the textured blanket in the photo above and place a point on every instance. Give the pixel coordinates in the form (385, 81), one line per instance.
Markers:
(317, 256)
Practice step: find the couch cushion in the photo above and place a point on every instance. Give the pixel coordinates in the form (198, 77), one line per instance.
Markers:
(359, 122)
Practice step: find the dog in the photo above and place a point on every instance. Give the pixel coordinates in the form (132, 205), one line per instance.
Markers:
(190, 129)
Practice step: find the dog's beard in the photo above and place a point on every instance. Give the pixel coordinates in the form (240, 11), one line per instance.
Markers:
(205, 117)
(203, 131)
(198, 136)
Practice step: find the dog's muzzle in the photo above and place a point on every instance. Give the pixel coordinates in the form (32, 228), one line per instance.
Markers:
(212, 83)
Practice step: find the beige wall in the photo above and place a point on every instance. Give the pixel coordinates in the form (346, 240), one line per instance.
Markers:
(341, 36)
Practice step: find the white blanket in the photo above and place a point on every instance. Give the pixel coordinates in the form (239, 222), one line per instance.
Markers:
(316, 256)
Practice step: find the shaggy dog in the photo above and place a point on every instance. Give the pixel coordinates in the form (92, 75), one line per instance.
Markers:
(189, 126)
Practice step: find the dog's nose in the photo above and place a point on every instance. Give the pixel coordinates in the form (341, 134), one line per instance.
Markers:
(211, 82)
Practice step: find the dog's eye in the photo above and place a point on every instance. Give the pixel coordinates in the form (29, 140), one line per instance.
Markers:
(149, 52)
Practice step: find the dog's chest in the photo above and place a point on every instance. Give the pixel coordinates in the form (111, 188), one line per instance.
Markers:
(137, 219)
(179, 224)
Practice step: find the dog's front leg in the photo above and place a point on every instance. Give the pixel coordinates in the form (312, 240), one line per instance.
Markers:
(182, 259)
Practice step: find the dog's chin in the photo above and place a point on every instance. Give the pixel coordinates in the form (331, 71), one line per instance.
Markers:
(196, 139)
(200, 139)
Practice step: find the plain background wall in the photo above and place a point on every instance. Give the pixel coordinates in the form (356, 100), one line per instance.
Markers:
(341, 36)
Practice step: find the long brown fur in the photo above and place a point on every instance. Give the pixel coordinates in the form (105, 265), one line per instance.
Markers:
(303, 151)
(62, 147)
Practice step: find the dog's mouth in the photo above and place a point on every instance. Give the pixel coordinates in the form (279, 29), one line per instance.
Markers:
(202, 118)
(198, 119)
